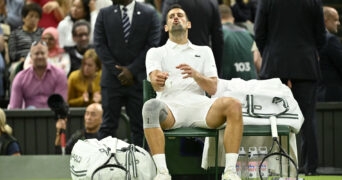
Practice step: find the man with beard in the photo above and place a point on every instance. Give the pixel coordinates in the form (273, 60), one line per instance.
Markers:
(33, 86)
(80, 35)
(123, 34)
(182, 73)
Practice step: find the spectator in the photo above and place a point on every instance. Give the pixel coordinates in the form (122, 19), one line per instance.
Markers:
(123, 62)
(330, 86)
(289, 45)
(80, 9)
(3, 12)
(14, 13)
(2, 65)
(53, 12)
(181, 81)
(8, 144)
(80, 35)
(57, 56)
(32, 87)
(103, 3)
(244, 13)
(92, 122)
(237, 60)
(84, 84)
(206, 24)
(20, 40)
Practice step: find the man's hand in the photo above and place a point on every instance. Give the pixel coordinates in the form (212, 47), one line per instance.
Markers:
(125, 77)
(60, 124)
(188, 71)
(158, 79)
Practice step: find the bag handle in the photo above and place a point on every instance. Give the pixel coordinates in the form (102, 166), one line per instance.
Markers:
(130, 159)
(275, 100)
(106, 165)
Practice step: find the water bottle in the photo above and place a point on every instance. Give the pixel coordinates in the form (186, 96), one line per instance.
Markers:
(264, 167)
(253, 163)
(241, 165)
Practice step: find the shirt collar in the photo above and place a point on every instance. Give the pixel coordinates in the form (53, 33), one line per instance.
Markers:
(174, 45)
(129, 6)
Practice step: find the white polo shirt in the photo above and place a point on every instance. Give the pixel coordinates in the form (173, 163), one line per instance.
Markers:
(182, 93)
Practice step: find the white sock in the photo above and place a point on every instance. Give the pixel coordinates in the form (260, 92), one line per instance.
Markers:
(160, 161)
(231, 159)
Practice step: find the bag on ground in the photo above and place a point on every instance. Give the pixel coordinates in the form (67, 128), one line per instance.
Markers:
(110, 159)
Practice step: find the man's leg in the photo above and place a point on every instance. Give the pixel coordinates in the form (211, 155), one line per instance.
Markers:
(134, 104)
(228, 110)
(111, 105)
(157, 116)
(305, 92)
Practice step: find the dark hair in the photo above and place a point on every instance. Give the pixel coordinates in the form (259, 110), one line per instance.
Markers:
(78, 23)
(85, 4)
(176, 6)
(31, 7)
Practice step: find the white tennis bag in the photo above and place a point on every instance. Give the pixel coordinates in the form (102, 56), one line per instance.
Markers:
(261, 99)
(110, 159)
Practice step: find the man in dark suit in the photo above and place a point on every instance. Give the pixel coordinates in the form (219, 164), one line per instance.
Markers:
(206, 24)
(289, 44)
(330, 86)
(123, 61)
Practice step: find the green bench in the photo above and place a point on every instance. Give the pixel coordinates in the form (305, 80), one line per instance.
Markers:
(187, 165)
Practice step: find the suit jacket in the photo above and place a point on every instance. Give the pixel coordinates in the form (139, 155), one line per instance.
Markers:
(288, 34)
(206, 27)
(331, 67)
(112, 49)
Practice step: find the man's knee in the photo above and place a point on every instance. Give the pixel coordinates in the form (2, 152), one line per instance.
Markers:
(232, 106)
(154, 112)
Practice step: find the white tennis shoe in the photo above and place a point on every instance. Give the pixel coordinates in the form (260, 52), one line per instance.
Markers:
(230, 176)
(164, 175)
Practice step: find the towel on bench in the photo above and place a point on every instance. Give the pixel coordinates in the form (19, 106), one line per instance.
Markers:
(260, 99)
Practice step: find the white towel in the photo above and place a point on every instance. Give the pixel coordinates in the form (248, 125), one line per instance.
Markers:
(263, 92)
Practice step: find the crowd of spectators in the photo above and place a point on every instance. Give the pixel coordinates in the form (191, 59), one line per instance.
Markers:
(66, 29)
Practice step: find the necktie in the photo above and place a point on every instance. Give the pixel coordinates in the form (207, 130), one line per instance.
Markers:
(126, 25)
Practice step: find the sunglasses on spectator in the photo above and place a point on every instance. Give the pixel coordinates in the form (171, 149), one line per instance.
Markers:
(35, 43)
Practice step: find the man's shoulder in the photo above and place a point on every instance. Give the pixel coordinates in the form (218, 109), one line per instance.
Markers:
(145, 6)
(58, 72)
(69, 49)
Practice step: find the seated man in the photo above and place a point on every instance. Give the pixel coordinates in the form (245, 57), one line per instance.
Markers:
(32, 87)
(92, 122)
(181, 73)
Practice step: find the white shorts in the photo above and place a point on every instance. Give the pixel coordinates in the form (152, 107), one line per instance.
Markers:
(190, 113)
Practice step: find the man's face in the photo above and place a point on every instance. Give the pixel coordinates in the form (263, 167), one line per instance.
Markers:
(121, 2)
(92, 117)
(177, 21)
(332, 22)
(31, 19)
(39, 55)
(81, 37)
